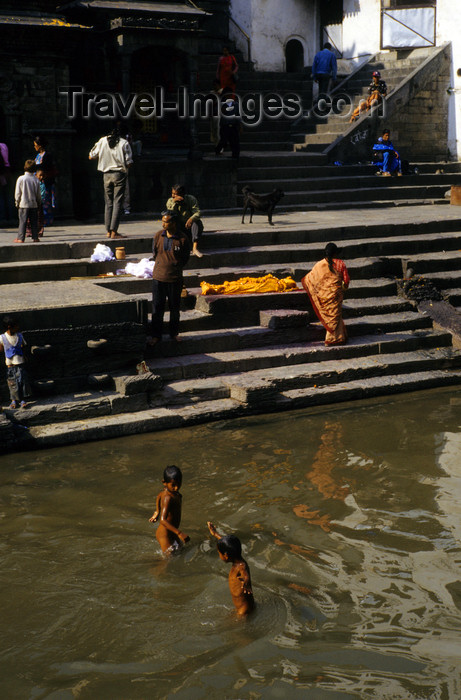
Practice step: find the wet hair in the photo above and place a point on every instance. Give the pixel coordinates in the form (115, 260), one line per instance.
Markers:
(331, 250)
(172, 473)
(230, 545)
(179, 189)
(10, 322)
(41, 141)
(327, 45)
(29, 166)
(113, 138)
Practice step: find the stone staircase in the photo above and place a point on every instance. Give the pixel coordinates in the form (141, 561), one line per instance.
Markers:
(314, 133)
(244, 354)
(269, 134)
(295, 157)
(309, 183)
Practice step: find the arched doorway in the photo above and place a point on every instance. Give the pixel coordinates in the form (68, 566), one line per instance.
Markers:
(294, 56)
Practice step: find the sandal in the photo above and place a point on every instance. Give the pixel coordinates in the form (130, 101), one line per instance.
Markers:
(23, 404)
(12, 405)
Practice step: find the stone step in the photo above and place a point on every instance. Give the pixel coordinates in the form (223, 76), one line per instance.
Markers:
(295, 172)
(444, 280)
(386, 189)
(251, 145)
(310, 252)
(434, 262)
(261, 386)
(363, 389)
(361, 271)
(267, 128)
(248, 305)
(269, 171)
(160, 419)
(454, 296)
(137, 247)
(367, 336)
(281, 159)
(69, 303)
(28, 271)
(366, 181)
(216, 340)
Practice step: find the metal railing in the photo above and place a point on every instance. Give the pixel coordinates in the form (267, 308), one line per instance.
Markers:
(248, 39)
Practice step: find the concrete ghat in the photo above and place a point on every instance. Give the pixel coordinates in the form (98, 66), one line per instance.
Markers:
(57, 304)
(239, 355)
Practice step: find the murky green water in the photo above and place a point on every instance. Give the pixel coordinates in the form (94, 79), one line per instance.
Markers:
(351, 521)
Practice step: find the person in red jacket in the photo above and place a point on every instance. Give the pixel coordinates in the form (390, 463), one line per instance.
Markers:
(171, 251)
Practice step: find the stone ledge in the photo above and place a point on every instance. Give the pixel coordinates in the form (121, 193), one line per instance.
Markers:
(444, 317)
(283, 318)
(138, 383)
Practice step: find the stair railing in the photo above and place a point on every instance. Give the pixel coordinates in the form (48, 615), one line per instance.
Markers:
(331, 41)
(242, 31)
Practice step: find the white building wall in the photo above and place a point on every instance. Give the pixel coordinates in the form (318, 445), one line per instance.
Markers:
(449, 29)
(361, 27)
(241, 11)
(270, 26)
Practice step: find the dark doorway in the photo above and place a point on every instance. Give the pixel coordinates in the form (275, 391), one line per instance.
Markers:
(331, 12)
(294, 55)
(165, 67)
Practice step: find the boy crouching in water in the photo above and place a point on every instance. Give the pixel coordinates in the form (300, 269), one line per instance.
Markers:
(168, 512)
(230, 549)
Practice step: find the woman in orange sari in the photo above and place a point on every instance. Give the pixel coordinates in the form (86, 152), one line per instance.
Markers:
(325, 284)
(227, 70)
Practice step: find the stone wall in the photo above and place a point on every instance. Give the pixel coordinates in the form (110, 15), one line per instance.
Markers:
(30, 105)
(213, 182)
(59, 360)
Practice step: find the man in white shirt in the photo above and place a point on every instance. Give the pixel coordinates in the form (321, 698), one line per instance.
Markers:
(27, 198)
(114, 158)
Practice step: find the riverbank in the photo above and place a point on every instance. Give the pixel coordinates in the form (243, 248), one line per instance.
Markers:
(239, 354)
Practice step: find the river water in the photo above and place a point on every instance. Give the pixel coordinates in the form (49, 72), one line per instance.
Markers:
(351, 524)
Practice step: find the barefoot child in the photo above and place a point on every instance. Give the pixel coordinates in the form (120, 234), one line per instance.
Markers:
(12, 343)
(230, 549)
(168, 509)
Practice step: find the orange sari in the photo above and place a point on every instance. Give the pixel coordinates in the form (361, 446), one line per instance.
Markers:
(325, 290)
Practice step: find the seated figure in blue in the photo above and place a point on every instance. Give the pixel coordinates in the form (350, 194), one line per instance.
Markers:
(388, 162)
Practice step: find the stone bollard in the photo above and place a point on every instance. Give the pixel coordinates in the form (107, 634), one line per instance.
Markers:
(455, 196)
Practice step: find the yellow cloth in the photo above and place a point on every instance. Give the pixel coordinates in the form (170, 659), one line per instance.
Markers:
(250, 285)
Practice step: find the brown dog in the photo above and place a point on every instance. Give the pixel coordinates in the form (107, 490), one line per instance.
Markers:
(264, 203)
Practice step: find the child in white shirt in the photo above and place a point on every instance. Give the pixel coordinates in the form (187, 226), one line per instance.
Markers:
(12, 343)
(28, 199)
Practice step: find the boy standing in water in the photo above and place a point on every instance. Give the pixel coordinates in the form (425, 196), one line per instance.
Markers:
(230, 550)
(168, 509)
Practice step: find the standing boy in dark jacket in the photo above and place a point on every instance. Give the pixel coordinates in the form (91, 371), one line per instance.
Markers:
(171, 251)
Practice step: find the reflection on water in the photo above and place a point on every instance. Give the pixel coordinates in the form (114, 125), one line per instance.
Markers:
(351, 524)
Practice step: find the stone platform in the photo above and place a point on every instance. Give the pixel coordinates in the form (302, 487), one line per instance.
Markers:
(239, 354)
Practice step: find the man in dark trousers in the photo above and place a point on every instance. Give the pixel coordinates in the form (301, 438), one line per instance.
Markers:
(229, 127)
(324, 68)
(171, 251)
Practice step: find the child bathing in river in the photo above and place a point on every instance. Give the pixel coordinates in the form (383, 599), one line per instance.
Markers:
(168, 512)
(230, 549)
